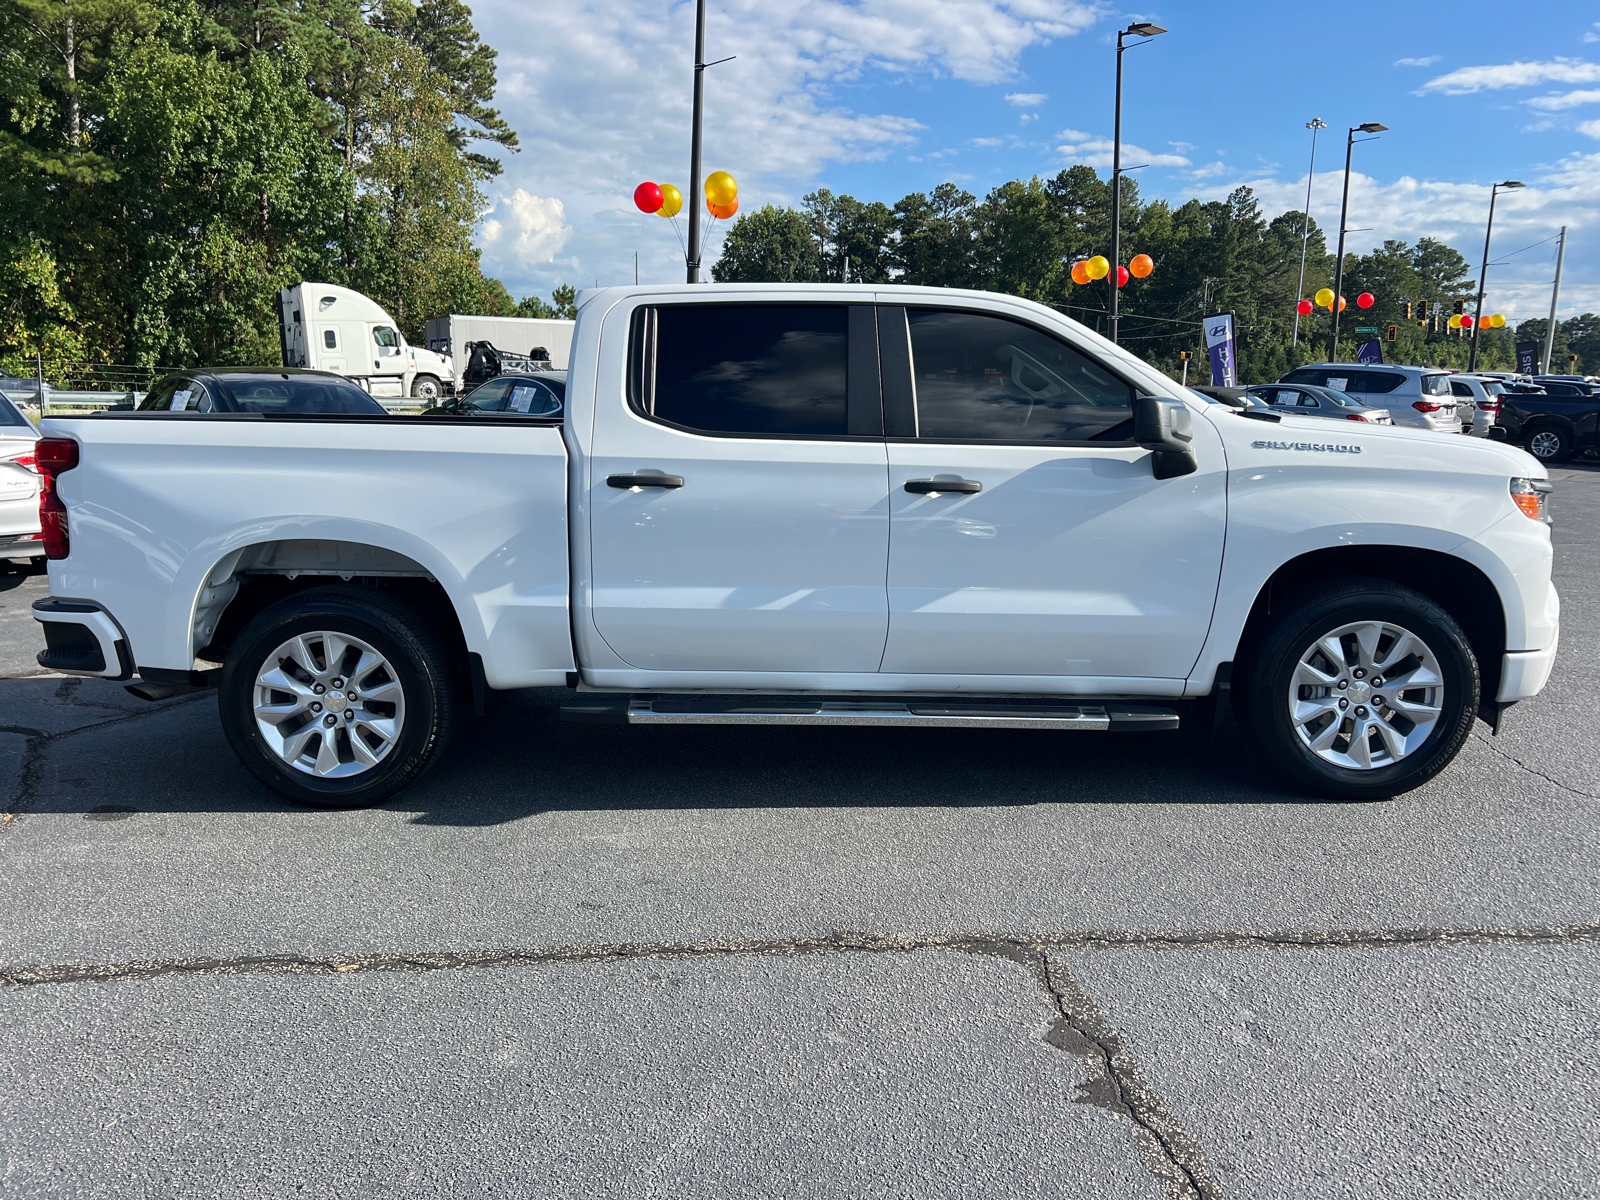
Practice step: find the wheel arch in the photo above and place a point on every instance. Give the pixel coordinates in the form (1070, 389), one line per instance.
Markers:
(1460, 587)
(248, 579)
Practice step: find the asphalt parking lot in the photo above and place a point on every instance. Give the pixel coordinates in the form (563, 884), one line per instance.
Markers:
(592, 962)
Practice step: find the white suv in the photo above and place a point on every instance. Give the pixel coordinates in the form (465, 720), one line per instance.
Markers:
(1416, 396)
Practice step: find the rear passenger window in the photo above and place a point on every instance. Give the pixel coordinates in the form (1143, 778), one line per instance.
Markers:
(773, 369)
(1379, 382)
(980, 378)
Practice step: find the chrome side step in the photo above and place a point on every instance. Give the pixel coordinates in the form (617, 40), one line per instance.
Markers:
(1094, 717)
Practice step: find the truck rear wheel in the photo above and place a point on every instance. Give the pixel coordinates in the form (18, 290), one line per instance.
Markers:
(1549, 444)
(337, 697)
(1363, 689)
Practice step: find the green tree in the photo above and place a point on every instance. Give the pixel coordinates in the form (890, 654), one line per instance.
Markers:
(770, 245)
(933, 242)
(562, 305)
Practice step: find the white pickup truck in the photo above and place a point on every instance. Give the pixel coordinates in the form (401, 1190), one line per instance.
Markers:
(809, 505)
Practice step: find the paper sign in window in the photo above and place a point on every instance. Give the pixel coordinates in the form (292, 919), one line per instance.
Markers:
(1338, 384)
(522, 399)
(180, 400)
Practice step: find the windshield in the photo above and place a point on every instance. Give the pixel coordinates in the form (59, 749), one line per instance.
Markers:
(293, 394)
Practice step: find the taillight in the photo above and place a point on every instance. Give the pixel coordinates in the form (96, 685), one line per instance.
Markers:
(1357, 417)
(1529, 494)
(1426, 406)
(54, 455)
(26, 459)
(1489, 405)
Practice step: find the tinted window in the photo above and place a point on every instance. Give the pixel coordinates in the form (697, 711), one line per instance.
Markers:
(986, 379)
(1314, 378)
(492, 393)
(515, 396)
(330, 339)
(1461, 389)
(1376, 382)
(10, 415)
(293, 394)
(1432, 385)
(757, 368)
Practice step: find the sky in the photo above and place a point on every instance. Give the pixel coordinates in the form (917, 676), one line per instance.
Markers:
(878, 98)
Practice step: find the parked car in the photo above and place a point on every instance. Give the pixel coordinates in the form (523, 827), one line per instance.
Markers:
(1477, 402)
(525, 393)
(1553, 422)
(1566, 387)
(779, 504)
(1232, 397)
(19, 485)
(1415, 396)
(1309, 401)
(272, 390)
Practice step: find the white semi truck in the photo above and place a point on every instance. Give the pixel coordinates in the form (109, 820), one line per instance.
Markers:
(326, 327)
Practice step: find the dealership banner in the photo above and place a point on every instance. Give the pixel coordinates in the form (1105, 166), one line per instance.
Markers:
(1370, 351)
(1528, 358)
(1219, 344)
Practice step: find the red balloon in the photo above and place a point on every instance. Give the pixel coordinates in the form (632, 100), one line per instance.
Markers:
(1122, 276)
(1466, 322)
(648, 197)
(1366, 300)
(1304, 308)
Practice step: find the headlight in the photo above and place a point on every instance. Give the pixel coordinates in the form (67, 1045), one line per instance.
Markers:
(1529, 494)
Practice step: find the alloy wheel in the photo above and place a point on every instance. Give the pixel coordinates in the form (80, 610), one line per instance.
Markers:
(329, 704)
(1366, 695)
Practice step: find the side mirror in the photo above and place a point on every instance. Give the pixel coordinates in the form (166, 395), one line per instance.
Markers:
(1167, 428)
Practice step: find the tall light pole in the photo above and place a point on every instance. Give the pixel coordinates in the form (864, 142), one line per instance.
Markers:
(1142, 29)
(1477, 319)
(694, 139)
(1344, 210)
(1555, 297)
(1314, 124)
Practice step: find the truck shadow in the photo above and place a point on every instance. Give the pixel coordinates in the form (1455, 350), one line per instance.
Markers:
(521, 761)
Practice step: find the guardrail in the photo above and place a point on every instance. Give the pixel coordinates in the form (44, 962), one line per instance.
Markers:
(64, 403)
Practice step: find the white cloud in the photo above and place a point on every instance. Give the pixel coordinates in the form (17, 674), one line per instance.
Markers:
(1558, 101)
(1073, 135)
(1096, 152)
(1418, 62)
(538, 229)
(611, 108)
(1509, 75)
(1590, 129)
(989, 142)
(1183, 147)
(1591, 35)
(1026, 99)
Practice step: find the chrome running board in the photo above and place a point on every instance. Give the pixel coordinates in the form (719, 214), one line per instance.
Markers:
(1093, 717)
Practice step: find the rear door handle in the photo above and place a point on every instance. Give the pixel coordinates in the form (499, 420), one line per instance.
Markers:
(633, 481)
(965, 487)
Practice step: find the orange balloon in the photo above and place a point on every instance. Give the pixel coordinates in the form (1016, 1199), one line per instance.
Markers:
(724, 211)
(1141, 266)
(1341, 303)
(1080, 272)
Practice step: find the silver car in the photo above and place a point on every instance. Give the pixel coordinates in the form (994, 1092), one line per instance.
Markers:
(1308, 401)
(1418, 397)
(1477, 402)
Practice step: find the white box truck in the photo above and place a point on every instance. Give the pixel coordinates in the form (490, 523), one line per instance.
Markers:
(449, 336)
(326, 327)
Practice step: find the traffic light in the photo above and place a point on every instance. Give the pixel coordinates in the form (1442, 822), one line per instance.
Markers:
(1461, 307)
(1394, 330)
(1184, 355)
(1408, 315)
(1422, 310)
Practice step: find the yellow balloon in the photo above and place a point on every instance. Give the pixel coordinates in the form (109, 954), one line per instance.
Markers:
(1324, 298)
(1498, 321)
(721, 190)
(671, 201)
(1455, 322)
(1099, 267)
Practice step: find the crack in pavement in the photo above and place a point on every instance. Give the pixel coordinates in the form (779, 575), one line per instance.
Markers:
(1511, 758)
(30, 775)
(1116, 1083)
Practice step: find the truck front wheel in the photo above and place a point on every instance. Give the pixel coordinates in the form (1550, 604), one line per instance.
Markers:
(1362, 689)
(337, 697)
(426, 387)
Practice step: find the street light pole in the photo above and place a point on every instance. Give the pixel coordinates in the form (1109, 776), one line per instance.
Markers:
(694, 139)
(1344, 210)
(1477, 319)
(1314, 124)
(1141, 29)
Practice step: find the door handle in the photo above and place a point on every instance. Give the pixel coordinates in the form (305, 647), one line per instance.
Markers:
(966, 487)
(633, 481)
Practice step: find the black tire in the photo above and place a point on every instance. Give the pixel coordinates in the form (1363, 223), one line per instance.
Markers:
(1270, 664)
(426, 387)
(1549, 443)
(396, 631)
